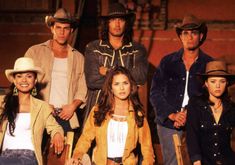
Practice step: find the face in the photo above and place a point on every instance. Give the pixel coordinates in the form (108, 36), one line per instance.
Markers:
(116, 27)
(121, 87)
(61, 32)
(190, 39)
(25, 81)
(216, 86)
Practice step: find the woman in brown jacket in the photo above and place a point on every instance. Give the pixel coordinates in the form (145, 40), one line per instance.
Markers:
(117, 124)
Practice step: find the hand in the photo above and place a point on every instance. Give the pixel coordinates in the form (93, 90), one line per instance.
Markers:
(73, 161)
(58, 143)
(198, 162)
(67, 111)
(103, 70)
(179, 118)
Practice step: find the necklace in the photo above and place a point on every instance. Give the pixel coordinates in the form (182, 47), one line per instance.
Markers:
(217, 108)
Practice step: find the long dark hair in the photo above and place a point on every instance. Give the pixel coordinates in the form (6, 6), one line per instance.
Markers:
(128, 32)
(11, 107)
(106, 101)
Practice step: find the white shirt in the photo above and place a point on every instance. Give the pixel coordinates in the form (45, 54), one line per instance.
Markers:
(22, 138)
(186, 97)
(116, 135)
(59, 84)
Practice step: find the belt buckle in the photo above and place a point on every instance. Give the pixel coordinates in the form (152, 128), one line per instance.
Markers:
(57, 111)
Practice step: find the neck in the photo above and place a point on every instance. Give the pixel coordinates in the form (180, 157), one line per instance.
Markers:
(116, 42)
(24, 98)
(215, 100)
(121, 107)
(57, 46)
(190, 54)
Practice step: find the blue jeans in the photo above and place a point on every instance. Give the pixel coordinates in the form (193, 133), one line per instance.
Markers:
(18, 157)
(167, 145)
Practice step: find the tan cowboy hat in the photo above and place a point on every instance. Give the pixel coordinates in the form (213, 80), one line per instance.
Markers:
(62, 16)
(117, 10)
(191, 22)
(23, 64)
(217, 68)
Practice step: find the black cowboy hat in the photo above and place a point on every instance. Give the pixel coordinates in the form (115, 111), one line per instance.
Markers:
(217, 68)
(191, 22)
(117, 10)
(62, 16)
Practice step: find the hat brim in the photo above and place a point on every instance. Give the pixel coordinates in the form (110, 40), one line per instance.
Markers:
(202, 28)
(50, 20)
(10, 72)
(128, 15)
(230, 77)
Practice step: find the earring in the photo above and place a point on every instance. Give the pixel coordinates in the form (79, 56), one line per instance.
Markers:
(34, 91)
(15, 92)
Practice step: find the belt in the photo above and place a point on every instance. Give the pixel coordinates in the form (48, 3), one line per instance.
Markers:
(116, 159)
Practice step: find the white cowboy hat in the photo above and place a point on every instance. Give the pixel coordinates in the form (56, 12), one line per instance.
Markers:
(23, 64)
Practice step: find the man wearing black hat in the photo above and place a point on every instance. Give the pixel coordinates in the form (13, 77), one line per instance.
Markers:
(65, 86)
(174, 82)
(115, 48)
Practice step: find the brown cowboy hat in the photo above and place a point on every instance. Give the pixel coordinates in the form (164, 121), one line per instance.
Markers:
(117, 10)
(191, 22)
(217, 68)
(62, 16)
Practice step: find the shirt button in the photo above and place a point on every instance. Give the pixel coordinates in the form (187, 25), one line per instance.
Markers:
(202, 125)
(215, 134)
(183, 78)
(214, 124)
(214, 155)
(216, 144)
(181, 95)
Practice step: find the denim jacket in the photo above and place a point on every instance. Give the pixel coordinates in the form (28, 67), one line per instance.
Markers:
(168, 85)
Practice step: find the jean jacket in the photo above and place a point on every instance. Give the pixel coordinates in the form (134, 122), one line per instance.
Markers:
(168, 85)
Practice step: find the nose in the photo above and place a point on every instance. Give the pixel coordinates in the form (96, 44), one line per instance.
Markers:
(121, 87)
(218, 85)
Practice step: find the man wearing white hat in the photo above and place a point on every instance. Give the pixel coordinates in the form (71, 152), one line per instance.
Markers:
(63, 85)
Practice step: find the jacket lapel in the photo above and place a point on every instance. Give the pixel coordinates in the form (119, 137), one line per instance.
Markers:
(35, 108)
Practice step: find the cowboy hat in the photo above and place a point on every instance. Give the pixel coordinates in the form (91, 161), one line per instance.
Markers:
(191, 22)
(217, 68)
(23, 64)
(62, 16)
(117, 10)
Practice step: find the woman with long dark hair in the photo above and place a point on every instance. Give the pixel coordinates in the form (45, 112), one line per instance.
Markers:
(211, 118)
(117, 123)
(23, 118)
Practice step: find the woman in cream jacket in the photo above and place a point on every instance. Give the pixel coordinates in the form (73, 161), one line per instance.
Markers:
(23, 118)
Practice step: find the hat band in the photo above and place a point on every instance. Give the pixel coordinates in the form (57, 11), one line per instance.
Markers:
(216, 71)
(116, 13)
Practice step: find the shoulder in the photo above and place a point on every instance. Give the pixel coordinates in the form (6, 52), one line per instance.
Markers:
(40, 46)
(40, 102)
(205, 56)
(94, 43)
(138, 45)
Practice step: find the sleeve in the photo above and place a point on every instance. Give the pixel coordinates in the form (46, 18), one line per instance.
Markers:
(157, 97)
(88, 135)
(81, 93)
(140, 68)
(146, 144)
(192, 132)
(52, 127)
(94, 79)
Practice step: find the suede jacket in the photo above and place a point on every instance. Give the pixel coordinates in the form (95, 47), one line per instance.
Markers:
(168, 85)
(43, 57)
(99, 133)
(41, 119)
